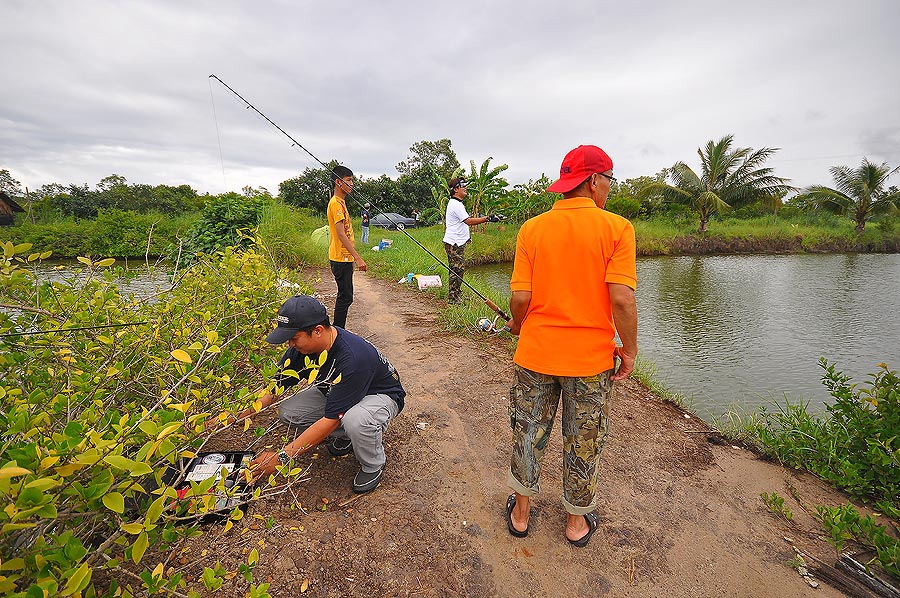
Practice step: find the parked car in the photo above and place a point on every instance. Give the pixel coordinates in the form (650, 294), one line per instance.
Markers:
(391, 220)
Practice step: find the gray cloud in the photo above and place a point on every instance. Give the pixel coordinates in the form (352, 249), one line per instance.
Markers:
(100, 87)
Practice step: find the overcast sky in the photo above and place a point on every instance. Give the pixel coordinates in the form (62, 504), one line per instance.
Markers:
(95, 87)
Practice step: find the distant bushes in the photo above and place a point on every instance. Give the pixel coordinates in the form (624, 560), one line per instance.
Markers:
(113, 233)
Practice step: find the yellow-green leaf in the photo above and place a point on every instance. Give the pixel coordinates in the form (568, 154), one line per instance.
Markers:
(139, 548)
(252, 559)
(336, 379)
(181, 355)
(154, 511)
(12, 471)
(168, 429)
(212, 336)
(213, 349)
(132, 528)
(42, 483)
(78, 581)
(84, 260)
(312, 376)
(19, 563)
(114, 501)
(106, 262)
(322, 357)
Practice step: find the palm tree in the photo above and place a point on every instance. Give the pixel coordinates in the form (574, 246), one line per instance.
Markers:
(728, 177)
(860, 192)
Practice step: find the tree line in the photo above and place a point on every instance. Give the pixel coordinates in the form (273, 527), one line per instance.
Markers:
(730, 180)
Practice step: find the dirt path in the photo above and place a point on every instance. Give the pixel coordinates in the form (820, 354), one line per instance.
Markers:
(680, 515)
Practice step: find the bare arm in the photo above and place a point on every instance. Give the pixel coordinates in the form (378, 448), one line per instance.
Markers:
(518, 307)
(624, 309)
(266, 462)
(472, 220)
(349, 246)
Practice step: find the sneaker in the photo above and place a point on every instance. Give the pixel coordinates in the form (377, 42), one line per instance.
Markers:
(366, 482)
(340, 447)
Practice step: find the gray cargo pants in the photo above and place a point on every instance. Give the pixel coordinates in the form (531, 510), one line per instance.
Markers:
(364, 423)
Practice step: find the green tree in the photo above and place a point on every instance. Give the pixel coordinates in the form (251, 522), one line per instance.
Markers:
(11, 186)
(728, 178)
(417, 176)
(527, 200)
(859, 192)
(486, 187)
(423, 154)
(311, 189)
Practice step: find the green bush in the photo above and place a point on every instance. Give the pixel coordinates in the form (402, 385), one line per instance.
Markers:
(227, 221)
(856, 447)
(92, 417)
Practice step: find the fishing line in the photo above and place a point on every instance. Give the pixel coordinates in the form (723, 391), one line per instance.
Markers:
(361, 202)
(218, 137)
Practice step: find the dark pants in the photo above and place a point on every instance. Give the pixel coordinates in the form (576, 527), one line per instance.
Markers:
(343, 276)
(456, 260)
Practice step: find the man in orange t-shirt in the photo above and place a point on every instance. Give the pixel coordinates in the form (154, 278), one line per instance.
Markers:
(572, 290)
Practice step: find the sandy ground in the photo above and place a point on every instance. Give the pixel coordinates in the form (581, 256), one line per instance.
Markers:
(680, 509)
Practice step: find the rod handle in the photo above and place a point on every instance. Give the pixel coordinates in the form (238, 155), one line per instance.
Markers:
(499, 311)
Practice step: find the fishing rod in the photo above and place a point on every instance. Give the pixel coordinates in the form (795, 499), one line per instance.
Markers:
(364, 200)
(71, 329)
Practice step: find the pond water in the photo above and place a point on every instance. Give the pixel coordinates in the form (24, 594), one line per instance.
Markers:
(741, 331)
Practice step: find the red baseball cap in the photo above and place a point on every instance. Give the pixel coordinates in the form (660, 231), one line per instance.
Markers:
(579, 164)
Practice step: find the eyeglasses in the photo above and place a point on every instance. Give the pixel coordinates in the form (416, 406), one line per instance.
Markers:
(611, 178)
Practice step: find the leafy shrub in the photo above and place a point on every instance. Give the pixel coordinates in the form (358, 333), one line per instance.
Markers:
(856, 448)
(226, 221)
(92, 417)
(845, 522)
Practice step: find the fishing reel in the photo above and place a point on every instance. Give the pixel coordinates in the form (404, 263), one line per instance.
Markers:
(487, 325)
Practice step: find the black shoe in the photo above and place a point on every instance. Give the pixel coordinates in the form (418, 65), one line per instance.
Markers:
(340, 447)
(366, 482)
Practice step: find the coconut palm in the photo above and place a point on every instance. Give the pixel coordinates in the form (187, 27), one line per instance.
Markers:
(860, 192)
(728, 178)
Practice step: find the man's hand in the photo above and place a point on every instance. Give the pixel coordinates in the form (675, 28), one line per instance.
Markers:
(264, 465)
(361, 264)
(625, 367)
(514, 328)
(496, 218)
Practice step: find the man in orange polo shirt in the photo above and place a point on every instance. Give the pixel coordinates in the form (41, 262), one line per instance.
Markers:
(572, 289)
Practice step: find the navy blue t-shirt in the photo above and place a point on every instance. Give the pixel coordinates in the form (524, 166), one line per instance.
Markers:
(362, 367)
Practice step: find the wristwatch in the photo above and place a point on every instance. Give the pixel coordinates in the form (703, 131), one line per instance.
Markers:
(283, 457)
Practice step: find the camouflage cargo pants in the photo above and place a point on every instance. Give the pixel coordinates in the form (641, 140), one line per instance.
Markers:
(456, 261)
(585, 423)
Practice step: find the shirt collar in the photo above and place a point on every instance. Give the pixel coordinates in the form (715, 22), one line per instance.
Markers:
(574, 202)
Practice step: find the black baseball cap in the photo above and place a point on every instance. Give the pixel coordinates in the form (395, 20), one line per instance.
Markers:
(300, 311)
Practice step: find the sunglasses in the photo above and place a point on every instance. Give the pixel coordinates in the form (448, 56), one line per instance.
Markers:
(611, 178)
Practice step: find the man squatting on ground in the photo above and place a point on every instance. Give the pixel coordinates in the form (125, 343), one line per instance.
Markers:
(355, 410)
(456, 235)
(341, 248)
(572, 288)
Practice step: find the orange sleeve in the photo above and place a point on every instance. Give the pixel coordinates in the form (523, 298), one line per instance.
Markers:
(522, 267)
(621, 268)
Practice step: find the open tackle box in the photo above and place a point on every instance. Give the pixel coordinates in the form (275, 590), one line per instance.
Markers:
(227, 464)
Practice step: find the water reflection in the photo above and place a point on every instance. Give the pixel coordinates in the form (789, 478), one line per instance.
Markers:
(744, 330)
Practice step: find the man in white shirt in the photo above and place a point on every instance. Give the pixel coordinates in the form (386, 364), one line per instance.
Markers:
(456, 235)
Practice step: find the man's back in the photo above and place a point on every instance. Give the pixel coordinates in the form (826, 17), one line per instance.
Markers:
(565, 258)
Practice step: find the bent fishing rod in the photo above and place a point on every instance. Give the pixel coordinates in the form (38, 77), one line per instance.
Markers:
(365, 199)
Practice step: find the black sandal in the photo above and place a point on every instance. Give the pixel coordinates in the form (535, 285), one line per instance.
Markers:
(510, 504)
(593, 523)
